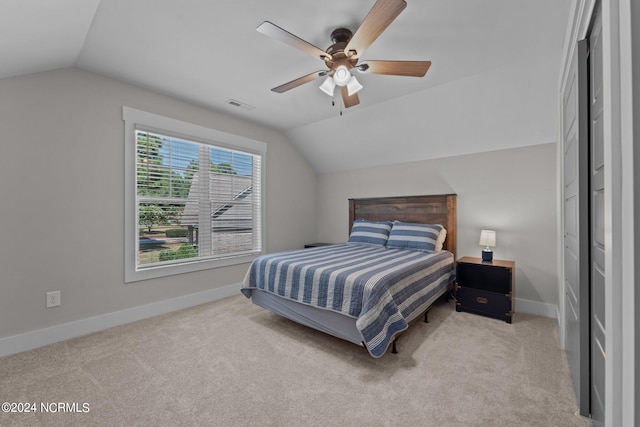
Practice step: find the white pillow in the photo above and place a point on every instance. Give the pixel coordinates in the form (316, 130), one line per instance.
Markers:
(440, 240)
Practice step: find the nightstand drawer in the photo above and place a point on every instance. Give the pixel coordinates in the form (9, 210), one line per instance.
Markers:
(482, 302)
(484, 276)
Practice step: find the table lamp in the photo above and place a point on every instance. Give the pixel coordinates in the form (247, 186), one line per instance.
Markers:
(488, 240)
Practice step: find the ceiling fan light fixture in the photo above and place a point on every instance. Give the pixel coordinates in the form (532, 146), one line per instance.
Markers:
(328, 86)
(353, 86)
(341, 76)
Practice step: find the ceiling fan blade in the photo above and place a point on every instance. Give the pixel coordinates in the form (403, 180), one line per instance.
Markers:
(377, 20)
(349, 101)
(299, 81)
(269, 29)
(395, 68)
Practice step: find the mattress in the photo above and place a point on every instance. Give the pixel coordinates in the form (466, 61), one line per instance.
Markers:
(380, 289)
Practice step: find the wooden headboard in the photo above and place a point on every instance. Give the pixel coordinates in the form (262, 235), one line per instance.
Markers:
(436, 209)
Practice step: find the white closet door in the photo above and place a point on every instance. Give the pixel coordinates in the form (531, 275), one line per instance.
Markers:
(576, 223)
(597, 192)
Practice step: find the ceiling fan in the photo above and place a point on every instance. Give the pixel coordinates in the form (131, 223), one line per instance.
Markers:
(343, 55)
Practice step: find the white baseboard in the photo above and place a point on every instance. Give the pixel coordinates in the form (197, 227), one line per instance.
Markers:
(29, 340)
(535, 307)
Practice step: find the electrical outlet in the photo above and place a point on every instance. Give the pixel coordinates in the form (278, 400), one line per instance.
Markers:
(53, 299)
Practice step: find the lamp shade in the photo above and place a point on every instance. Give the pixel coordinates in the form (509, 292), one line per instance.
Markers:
(353, 86)
(341, 76)
(327, 86)
(487, 238)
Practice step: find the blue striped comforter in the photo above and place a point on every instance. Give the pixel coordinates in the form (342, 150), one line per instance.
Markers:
(381, 288)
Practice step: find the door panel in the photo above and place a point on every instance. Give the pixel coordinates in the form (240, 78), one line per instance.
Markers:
(576, 224)
(597, 190)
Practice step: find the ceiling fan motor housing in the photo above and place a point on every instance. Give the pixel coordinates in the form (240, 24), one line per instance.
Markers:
(340, 38)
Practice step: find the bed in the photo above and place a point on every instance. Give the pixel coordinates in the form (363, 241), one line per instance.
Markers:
(368, 289)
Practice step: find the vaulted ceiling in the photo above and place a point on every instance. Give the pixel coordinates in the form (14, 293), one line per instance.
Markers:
(492, 85)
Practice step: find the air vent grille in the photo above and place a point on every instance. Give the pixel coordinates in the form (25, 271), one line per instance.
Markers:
(236, 103)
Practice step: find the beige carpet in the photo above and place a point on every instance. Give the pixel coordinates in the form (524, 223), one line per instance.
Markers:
(230, 363)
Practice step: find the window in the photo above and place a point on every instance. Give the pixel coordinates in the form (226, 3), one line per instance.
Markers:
(193, 197)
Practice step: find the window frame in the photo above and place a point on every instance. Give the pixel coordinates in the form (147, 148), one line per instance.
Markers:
(141, 120)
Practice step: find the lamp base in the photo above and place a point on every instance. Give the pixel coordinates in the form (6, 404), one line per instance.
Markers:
(487, 255)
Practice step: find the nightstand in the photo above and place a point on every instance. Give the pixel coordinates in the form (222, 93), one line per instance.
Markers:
(486, 287)
(315, 245)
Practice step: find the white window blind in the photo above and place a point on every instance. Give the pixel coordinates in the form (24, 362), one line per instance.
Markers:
(196, 204)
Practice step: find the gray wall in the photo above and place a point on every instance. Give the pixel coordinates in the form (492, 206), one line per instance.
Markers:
(62, 200)
(62, 197)
(511, 191)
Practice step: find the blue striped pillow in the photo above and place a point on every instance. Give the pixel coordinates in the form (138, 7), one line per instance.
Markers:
(370, 233)
(420, 237)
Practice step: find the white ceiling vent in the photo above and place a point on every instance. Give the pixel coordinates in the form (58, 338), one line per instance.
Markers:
(237, 103)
